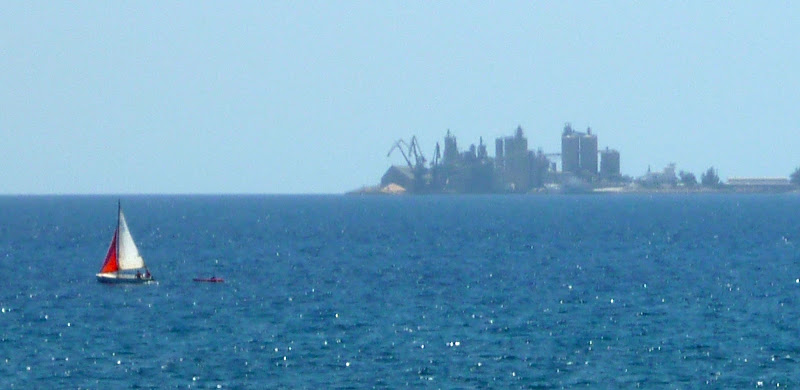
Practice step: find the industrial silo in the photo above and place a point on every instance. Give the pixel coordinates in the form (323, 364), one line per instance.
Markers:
(609, 163)
(498, 149)
(570, 150)
(588, 152)
(450, 156)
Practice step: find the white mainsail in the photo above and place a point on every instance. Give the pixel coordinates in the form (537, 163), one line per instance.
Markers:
(128, 255)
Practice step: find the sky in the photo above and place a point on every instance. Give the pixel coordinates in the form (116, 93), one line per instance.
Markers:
(307, 97)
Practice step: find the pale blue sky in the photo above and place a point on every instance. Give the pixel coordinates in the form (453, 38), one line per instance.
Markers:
(307, 97)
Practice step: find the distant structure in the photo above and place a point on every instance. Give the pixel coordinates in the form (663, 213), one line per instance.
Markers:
(398, 175)
(414, 177)
(517, 168)
(609, 164)
(578, 152)
(665, 178)
(514, 169)
(759, 184)
(570, 150)
(588, 164)
(513, 161)
(457, 172)
(450, 150)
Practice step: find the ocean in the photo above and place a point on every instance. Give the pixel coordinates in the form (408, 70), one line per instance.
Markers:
(349, 292)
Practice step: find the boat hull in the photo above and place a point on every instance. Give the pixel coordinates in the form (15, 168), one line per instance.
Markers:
(114, 278)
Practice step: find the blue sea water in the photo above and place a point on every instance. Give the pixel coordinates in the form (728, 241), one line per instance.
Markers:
(650, 291)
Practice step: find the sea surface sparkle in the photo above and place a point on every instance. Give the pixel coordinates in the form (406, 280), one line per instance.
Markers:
(617, 291)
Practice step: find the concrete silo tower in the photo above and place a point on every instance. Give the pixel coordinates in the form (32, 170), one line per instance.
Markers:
(589, 152)
(570, 150)
(609, 163)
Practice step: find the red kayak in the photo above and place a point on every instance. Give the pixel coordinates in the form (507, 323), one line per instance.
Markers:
(212, 279)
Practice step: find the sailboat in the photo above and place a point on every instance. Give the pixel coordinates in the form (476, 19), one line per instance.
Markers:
(123, 257)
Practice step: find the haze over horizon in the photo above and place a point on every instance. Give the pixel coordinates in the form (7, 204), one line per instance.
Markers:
(308, 97)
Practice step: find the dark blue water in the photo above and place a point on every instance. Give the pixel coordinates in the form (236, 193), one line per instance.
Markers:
(384, 292)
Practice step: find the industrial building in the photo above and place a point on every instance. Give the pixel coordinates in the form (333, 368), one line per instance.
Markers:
(399, 175)
(570, 150)
(514, 168)
(588, 164)
(450, 150)
(578, 152)
(609, 164)
(759, 184)
(512, 163)
(665, 178)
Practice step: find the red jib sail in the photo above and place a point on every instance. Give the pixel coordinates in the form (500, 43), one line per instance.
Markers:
(111, 264)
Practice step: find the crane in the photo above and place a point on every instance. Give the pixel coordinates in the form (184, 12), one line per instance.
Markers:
(399, 146)
(416, 151)
(418, 169)
(410, 150)
(436, 156)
